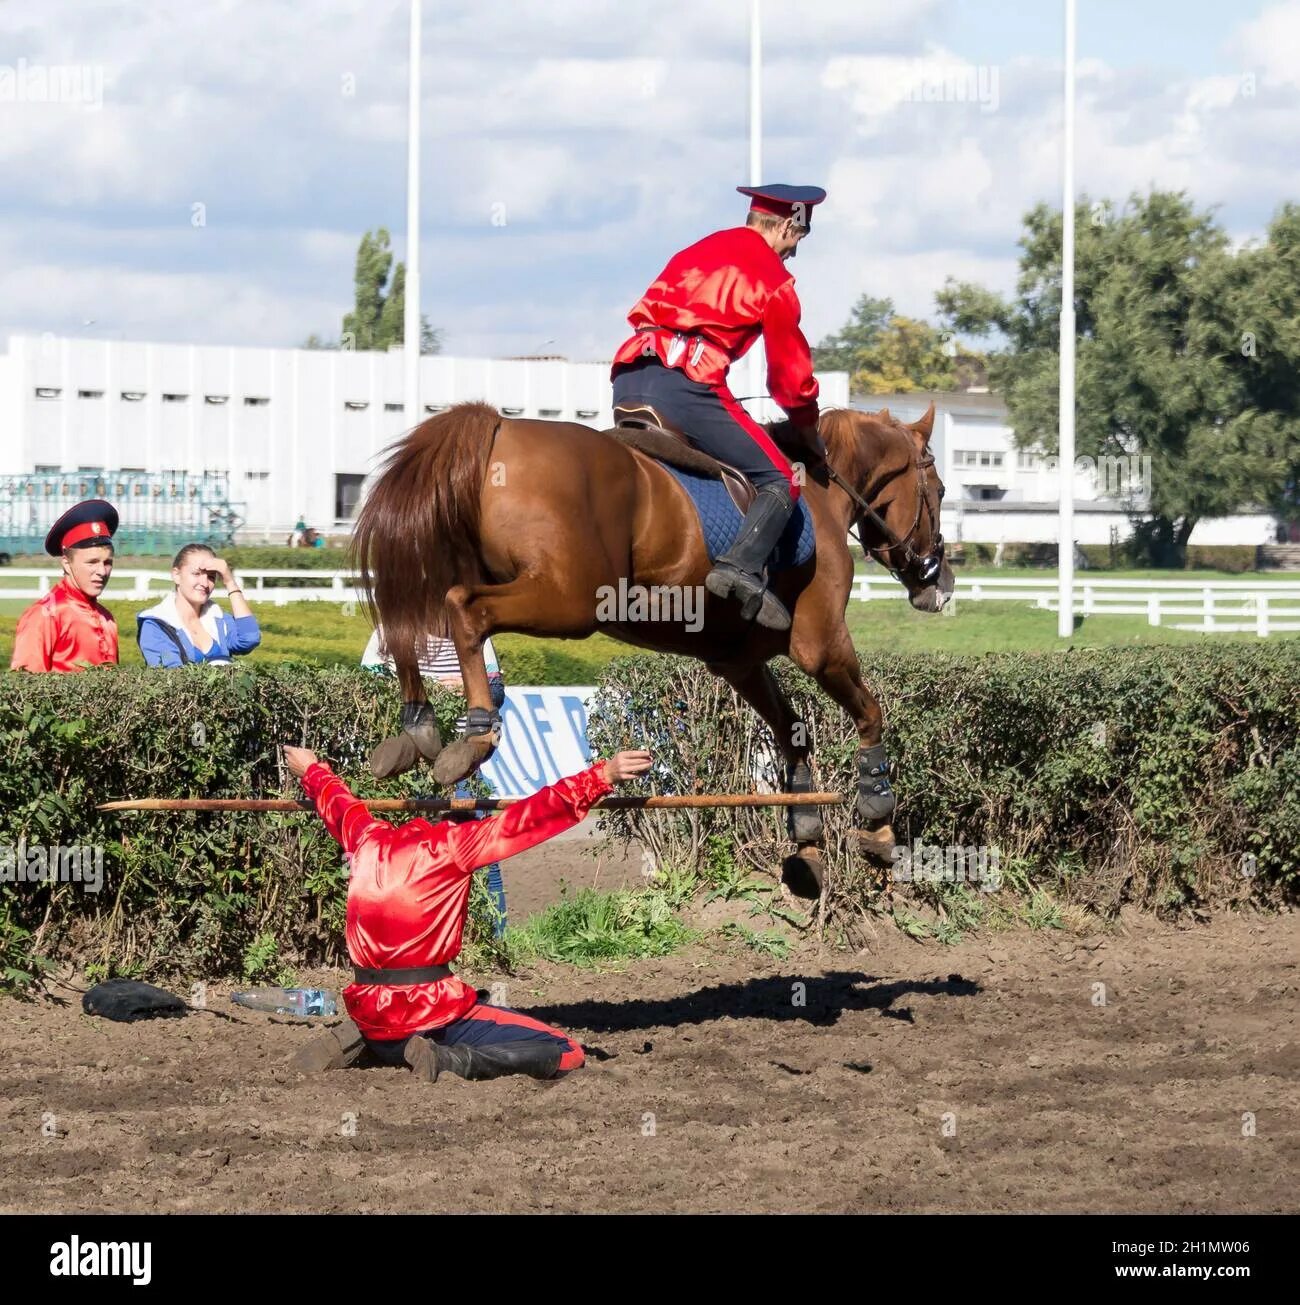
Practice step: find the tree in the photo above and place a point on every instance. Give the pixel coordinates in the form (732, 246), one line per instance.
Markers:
(1167, 316)
(885, 353)
(379, 304)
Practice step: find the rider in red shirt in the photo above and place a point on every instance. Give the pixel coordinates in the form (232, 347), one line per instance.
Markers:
(704, 311)
(408, 899)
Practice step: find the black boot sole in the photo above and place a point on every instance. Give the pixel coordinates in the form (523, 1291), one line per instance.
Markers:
(759, 605)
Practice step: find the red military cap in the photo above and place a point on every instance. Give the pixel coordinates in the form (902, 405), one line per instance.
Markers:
(785, 201)
(93, 519)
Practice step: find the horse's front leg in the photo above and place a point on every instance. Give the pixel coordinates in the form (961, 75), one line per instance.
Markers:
(803, 873)
(835, 667)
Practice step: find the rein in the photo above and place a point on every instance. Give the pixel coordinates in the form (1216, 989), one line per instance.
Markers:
(928, 564)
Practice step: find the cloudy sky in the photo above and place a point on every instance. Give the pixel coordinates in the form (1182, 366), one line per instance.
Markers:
(206, 169)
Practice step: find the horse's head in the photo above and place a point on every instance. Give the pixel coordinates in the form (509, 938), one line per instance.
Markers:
(889, 464)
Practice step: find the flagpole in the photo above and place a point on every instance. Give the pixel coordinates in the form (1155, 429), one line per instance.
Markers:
(1065, 513)
(411, 315)
(755, 382)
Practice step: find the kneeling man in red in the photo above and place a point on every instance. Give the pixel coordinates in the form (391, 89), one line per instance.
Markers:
(408, 899)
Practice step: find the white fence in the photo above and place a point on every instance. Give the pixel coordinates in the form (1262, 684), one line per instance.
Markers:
(333, 586)
(1219, 606)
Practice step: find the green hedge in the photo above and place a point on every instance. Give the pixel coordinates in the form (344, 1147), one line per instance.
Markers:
(184, 892)
(253, 557)
(1143, 775)
(1111, 775)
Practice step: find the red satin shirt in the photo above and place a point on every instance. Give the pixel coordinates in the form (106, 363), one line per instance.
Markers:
(408, 894)
(64, 631)
(709, 305)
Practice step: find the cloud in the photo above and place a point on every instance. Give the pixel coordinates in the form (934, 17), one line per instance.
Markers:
(569, 149)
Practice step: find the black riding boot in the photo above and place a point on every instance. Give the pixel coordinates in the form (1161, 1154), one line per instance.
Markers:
(429, 1059)
(738, 573)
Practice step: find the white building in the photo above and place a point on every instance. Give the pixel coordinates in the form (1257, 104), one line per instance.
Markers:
(296, 430)
(996, 493)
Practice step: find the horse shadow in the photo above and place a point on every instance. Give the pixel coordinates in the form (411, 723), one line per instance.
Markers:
(818, 1000)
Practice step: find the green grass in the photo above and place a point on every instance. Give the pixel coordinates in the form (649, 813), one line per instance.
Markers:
(329, 635)
(326, 634)
(593, 927)
(995, 626)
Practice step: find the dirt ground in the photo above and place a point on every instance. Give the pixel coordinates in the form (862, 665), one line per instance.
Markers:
(907, 1077)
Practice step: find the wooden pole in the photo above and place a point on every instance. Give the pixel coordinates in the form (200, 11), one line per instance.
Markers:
(655, 803)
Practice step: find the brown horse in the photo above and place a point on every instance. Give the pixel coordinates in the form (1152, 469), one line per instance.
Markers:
(479, 524)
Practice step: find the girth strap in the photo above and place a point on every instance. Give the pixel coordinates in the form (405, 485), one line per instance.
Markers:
(402, 978)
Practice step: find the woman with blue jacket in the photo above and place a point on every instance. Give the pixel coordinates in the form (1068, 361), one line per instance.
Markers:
(187, 626)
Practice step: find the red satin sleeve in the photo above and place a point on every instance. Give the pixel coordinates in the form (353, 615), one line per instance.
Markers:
(345, 815)
(548, 812)
(790, 379)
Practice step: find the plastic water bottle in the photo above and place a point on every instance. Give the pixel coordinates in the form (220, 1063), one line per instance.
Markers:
(288, 1001)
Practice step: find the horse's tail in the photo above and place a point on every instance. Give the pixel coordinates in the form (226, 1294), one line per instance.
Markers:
(417, 533)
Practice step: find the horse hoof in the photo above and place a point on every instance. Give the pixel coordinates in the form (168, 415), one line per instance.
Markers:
(804, 873)
(427, 739)
(877, 844)
(462, 758)
(394, 756)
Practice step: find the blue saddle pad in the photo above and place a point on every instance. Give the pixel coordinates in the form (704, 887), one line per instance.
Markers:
(720, 521)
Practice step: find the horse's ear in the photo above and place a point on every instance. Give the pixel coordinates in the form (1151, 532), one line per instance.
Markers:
(883, 414)
(924, 427)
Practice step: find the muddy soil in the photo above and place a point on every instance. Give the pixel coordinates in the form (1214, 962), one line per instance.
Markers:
(988, 1076)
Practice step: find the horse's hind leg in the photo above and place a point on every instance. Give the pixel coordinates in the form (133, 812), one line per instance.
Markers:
(804, 872)
(476, 612)
(419, 735)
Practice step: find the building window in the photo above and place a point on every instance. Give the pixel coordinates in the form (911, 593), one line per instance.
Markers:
(355, 405)
(257, 475)
(216, 399)
(46, 469)
(347, 494)
(176, 398)
(394, 407)
(586, 414)
(251, 401)
(548, 412)
(132, 396)
(90, 394)
(47, 392)
(512, 412)
(435, 408)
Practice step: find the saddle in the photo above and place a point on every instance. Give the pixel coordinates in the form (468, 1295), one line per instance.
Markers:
(640, 427)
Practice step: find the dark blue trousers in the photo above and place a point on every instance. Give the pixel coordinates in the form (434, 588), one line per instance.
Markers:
(709, 414)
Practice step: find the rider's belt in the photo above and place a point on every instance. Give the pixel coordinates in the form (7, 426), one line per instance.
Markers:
(698, 357)
(402, 978)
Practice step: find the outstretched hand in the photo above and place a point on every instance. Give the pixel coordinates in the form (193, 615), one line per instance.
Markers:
(298, 760)
(627, 765)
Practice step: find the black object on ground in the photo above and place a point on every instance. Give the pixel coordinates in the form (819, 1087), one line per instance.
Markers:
(129, 999)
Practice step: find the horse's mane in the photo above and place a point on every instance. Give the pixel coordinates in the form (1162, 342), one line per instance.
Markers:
(842, 430)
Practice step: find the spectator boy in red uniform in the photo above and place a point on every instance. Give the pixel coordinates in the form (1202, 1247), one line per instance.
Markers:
(408, 898)
(69, 629)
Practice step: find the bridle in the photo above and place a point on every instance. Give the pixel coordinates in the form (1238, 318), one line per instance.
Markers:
(928, 565)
